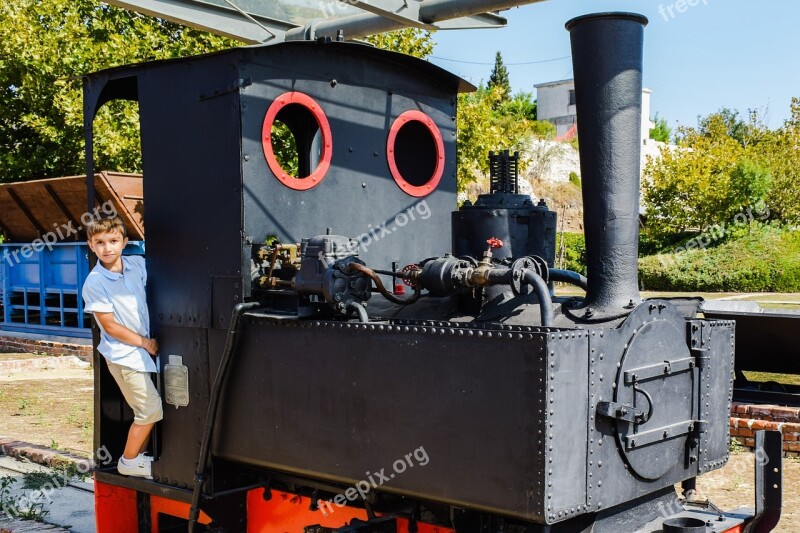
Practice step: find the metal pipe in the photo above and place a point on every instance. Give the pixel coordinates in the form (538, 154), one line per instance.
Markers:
(607, 52)
(379, 284)
(543, 294)
(359, 309)
(431, 11)
(211, 415)
(357, 26)
(568, 276)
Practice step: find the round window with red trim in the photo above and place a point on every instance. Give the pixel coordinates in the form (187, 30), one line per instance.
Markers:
(415, 151)
(296, 138)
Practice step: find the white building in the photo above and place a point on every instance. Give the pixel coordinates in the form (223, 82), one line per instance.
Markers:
(556, 104)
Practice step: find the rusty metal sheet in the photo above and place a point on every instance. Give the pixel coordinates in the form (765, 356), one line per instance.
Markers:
(30, 209)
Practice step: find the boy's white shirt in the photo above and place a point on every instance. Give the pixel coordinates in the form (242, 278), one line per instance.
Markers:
(121, 293)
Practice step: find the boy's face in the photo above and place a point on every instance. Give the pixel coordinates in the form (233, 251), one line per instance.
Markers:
(108, 246)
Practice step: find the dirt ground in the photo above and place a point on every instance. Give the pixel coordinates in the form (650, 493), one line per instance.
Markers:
(732, 487)
(54, 408)
(47, 407)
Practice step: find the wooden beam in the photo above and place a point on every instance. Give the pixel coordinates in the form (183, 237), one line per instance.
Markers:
(22, 207)
(62, 207)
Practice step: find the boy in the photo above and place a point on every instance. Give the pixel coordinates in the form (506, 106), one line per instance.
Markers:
(114, 292)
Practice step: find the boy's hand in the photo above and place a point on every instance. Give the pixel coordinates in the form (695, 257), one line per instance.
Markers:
(151, 345)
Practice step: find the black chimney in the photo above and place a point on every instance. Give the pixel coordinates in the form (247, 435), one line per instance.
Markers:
(607, 63)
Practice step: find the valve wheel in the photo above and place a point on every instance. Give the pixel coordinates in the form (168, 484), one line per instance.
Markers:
(494, 242)
(410, 268)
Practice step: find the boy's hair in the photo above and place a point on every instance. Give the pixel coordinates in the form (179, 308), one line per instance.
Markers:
(103, 225)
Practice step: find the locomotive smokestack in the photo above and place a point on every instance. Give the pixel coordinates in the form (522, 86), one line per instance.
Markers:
(607, 51)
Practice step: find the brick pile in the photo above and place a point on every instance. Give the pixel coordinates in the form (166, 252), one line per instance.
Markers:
(747, 419)
(45, 347)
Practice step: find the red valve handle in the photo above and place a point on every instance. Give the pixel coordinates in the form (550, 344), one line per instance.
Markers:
(494, 242)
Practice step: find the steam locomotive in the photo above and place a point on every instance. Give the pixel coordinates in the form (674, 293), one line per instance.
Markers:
(348, 353)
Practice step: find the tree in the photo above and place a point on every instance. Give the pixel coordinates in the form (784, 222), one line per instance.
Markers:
(661, 132)
(499, 78)
(745, 133)
(689, 188)
(521, 106)
(410, 41)
(484, 127)
(780, 153)
(723, 168)
(45, 48)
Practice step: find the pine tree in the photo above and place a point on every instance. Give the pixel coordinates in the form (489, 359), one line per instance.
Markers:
(499, 77)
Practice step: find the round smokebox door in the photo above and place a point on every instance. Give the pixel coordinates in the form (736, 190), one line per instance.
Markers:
(654, 398)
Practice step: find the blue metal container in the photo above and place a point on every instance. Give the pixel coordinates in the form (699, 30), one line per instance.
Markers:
(41, 287)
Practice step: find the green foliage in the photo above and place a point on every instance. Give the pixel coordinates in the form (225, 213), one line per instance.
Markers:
(749, 184)
(19, 506)
(661, 132)
(757, 258)
(571, 252)
(745, 133)
(521, 106)
(779, 153)
(45, 48)
(543, 129)
(499, 78)
(575, 179)
(410, 41)
(723, 168)
(693, 187)
(483, 127)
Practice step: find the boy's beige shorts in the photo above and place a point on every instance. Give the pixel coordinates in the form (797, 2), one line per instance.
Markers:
(140, 393)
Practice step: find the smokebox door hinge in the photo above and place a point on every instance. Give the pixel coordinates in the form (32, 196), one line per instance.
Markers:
(619, 411)
(699, 338)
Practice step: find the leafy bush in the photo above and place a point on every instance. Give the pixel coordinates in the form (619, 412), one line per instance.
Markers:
(571, 252)
(575, 179)
(766, 259)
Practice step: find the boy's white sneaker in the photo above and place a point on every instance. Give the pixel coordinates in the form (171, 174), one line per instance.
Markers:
(138, 466)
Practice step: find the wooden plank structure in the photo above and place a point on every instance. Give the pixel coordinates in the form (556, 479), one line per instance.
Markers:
(30, 209)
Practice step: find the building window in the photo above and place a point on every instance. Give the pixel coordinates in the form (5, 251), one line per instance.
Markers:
(572, 97)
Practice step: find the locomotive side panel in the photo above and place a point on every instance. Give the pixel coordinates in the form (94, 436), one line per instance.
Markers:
(192, 187)
(361, 95)
(447, 414)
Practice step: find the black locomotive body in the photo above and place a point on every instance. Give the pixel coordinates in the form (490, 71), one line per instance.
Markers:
(307, 376)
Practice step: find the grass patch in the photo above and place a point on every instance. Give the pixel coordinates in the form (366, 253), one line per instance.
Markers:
(764, 377)
(765, 260)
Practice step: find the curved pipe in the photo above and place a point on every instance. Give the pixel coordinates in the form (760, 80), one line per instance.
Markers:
(568, 276)
(379, 284)
(359, 309)
(542, 293)
(211, 415)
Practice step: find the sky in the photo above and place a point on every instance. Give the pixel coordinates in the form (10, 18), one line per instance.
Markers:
(716, 53)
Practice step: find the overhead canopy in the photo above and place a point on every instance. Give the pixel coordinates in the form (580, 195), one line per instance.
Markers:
(267, 21)
(31, 209)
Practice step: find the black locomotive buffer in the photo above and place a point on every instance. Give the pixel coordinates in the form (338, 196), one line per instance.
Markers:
(538, 414)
